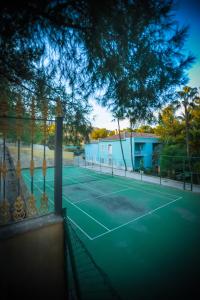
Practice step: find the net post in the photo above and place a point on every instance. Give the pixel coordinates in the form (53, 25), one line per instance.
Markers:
(58, 166)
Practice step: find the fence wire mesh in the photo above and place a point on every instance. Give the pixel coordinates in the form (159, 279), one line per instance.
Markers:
(176, 171)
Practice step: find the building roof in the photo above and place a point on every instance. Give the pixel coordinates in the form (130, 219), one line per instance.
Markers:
(128, 134)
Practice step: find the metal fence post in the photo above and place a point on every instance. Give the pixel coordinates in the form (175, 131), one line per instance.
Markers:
(58, 166)
(160, 172)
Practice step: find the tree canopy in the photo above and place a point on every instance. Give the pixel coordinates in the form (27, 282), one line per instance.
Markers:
(130, 50)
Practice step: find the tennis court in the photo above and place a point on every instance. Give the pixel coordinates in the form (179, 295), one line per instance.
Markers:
(146, 237)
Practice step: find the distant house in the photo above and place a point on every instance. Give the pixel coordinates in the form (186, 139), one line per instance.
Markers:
(107, 151)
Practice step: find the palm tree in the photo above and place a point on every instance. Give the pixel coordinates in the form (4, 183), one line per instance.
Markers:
(119, 115)
(185, 100)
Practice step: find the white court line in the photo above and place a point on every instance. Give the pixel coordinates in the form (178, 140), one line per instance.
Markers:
(136, 219)
(83, 231)
(140, 184)
(143, 190)
(118, 227)
(83, 211)
(103, 195)
(90, 188)
(73, 205)
(87, 235)
(127, 187)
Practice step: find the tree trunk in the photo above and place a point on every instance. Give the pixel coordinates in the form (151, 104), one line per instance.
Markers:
(120, 139)
(187, 137)
(187, 125)
(131, 144)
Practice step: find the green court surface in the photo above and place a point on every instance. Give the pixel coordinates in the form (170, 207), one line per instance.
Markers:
(146, 237)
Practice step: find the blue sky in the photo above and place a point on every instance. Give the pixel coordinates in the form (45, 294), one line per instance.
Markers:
(188, 13)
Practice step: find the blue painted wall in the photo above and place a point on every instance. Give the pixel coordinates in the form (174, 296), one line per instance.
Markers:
(142, 150)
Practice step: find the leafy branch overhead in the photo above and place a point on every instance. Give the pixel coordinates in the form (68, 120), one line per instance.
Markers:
(130, 50)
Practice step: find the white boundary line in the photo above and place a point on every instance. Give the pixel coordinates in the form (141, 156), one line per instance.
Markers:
(104, 195)
(90, 188)
(82, 211)
(136, 219)
(139, 184)
(144, 191)
(83, 231)
(115, 228)
(87, 214)
(87, 235)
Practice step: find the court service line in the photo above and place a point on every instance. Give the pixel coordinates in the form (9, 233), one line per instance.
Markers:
(87, 235)
(82, 211)
(136, 219)
(103, 195)
(142, 184)
(138, 183)
(87, 214)
(108, 230)
(143, 190)
(90, 188)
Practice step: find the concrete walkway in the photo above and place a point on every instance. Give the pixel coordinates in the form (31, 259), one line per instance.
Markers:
(138, 176)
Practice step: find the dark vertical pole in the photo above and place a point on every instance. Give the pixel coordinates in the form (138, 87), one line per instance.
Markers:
(44, 175)
(4, 162)
(32, 160)
(0, 172)
(58, 166)
(160, 171)
(18, 183)
(184, 173)
(112, 166)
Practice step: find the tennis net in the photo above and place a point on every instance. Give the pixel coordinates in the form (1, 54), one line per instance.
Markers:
(84, 178)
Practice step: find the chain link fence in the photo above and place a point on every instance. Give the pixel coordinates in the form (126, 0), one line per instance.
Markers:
(175, 171)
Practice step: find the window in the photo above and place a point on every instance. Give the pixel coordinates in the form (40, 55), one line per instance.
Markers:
(110, 149)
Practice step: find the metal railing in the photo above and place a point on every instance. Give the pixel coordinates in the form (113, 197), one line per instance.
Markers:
(20, 159)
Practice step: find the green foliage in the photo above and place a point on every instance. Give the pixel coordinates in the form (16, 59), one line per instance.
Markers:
(145, 129)
(185, 101)
(169, 128)
(172, 161)
(195, 128)
(100, 133)
(172, 125)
